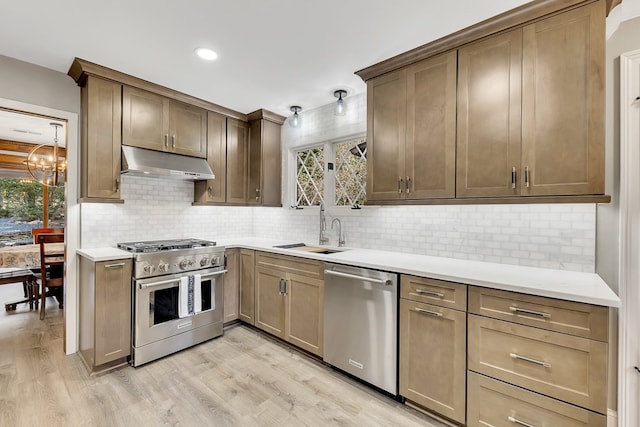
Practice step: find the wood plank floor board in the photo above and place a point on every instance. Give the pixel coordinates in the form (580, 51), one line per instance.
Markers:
(242, 379)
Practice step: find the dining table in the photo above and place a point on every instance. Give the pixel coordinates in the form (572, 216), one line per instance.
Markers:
(16, 263)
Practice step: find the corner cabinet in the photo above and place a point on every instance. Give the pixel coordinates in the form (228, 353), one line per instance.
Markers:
(411, 122)
(100, 140)
(158, 123)
(214, 190)
(289, 299)
(510, 110)
(105, 313)
(264, 159)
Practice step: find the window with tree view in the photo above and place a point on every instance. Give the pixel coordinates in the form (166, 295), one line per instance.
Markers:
(344, 186)
(21, 209)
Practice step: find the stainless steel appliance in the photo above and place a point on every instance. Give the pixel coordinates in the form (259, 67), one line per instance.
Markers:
(360, 324)
(166, 274)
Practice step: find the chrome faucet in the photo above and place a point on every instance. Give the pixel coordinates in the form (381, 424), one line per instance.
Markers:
(341, 240)
(322, 240)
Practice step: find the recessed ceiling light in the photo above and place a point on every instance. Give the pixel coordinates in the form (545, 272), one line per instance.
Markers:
(207, 54)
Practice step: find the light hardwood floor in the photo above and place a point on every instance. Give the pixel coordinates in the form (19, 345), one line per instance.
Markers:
(240, 379)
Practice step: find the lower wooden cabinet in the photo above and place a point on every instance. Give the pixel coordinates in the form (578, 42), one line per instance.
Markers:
(290, 305)
(495, 403)
(246, 311)
(433, 357)
(105, 313)
(231, 285)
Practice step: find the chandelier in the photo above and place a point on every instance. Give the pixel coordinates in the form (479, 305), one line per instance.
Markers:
(45, 164)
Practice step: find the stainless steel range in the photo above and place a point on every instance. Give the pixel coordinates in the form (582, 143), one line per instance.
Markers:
(177, 295)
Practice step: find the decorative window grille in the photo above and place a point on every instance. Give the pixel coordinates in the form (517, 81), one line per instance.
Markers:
(351, 172)
(310, 176)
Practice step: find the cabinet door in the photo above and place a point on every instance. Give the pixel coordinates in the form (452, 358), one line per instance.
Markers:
(237, 157)
(305, 313)
(386, 130)
(231, 285)
(145, 119)
(247, 286)
(112, 323)
(270, 301)
(431, 128)
(187, 129)
(432, 358)
(265, 164)
(214, 190)
(563, 103)
(489, 117)
(101, 139)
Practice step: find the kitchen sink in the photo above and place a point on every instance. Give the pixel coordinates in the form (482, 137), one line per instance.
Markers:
(312, 249)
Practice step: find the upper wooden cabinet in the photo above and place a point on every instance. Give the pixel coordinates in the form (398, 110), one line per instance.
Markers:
(264, 159)
(237, 161)
(411, 125)
(100, 140)
(563, 103)
(489, 111)
(158, 123)
(523, 115)
(214, 190)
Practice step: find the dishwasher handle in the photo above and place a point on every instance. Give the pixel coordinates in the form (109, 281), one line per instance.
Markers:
(386, 282)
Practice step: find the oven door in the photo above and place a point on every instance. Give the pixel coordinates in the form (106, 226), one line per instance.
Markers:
(157, 300)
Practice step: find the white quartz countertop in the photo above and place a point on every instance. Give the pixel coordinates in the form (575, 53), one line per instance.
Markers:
(567, 285)
(104, 254)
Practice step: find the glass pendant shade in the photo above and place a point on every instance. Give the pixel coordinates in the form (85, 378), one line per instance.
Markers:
(295, 120)
(340, 108)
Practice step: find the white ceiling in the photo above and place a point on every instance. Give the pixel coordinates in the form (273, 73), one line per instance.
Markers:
(28, 128)
(272, 54)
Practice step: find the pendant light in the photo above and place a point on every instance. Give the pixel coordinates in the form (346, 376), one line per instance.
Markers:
(295, 120)
(46, 165)
(340, 107)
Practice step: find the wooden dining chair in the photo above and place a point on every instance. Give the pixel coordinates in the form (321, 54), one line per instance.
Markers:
(45, 230)
(51, 269)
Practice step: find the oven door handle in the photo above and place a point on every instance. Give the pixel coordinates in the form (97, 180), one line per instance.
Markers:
(164, 282)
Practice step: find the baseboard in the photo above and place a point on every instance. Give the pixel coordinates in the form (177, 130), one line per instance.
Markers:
(612, 418)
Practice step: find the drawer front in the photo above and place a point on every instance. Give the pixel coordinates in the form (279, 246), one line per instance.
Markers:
(432, 291)
(569, 368)
(583, 320)
(494, 403)
(291, 264)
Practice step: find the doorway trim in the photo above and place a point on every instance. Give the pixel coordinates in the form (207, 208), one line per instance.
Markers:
(72, 223)
(629, 286)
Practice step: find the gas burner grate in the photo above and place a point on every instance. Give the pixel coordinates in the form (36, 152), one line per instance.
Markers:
(164, 245)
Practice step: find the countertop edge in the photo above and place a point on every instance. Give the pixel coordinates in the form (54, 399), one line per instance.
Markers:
(594, 291)
(103, 254)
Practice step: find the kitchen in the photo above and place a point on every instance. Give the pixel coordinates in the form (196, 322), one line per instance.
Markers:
(164, 207)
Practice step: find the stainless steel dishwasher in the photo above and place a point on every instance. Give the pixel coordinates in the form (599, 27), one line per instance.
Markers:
(360, 323)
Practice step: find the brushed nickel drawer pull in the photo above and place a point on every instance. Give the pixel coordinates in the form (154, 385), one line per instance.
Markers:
(530, 360)
(166, 140)
(526, 176)
(524, 310)
(120, 264)
(521, 423)
(429, 312)
(408, 184)
(513, 177)
(399, 184)
(428, 292)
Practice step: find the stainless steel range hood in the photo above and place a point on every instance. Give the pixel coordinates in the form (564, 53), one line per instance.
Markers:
(143, 162)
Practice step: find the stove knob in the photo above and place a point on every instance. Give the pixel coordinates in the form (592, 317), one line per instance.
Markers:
(204, 261)
(215, 260)
(163, 266)
(185, 263)
(148, 268)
